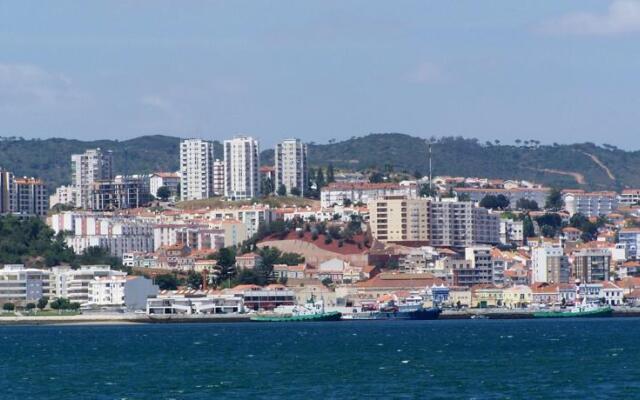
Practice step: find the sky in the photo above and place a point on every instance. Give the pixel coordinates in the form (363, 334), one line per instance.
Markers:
(553, 71)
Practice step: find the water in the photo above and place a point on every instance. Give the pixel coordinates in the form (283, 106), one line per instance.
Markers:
(378, 359)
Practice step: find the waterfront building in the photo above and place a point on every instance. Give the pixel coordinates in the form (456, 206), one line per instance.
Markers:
(23, 285)
(73, 284)
(264, 298)
(107, 291)
(592, 264)
(196, 169)
(549, 264)
(291, 169)
(241, 169)
(194, 302)
(87, 168)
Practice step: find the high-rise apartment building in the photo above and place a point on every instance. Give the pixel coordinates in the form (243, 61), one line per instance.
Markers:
(87, 168)
(241, 168)
(218, 177)
(7, 192)
(398, 219)
(438, 223)
(592, 264)
(31, 197)
(196, 169)
(291, 166)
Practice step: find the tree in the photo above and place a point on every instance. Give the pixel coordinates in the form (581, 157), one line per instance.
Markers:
(494, 202)
(282, 190)
(8, 306)
(267, 186)
(194, 280)
(42, 302)
(347, 202)
(64, 304)
(30, 306)
(295, 191)
(427, 190)
(526, 204)
(554, 200)
(165, 282)
(552, 219)
(225, 265)
(320, 182)
(330, 174)
(163, 193)
(527, 227)
(376, 177)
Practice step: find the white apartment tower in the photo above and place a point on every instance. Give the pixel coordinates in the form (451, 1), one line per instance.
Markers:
(87, 168)
(291, 165)
(196, 169)
(241, 168)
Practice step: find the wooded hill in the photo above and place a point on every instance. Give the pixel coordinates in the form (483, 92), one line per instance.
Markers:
(582, 165)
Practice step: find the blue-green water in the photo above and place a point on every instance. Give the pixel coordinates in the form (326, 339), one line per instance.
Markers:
(402, 359)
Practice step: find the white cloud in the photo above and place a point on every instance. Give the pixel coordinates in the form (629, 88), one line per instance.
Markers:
(155, 101)
(622, 16)
(26, 85)
(426, 72)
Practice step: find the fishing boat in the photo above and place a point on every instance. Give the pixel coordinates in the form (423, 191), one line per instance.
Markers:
(312, 311)
(579, 311)
(412, 309)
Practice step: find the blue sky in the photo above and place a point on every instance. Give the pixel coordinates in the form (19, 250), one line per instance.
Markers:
(555, 71)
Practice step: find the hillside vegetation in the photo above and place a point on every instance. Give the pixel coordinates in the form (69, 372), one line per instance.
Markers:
(579, 165)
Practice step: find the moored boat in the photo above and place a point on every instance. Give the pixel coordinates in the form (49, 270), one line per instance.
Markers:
(316, 317)
(580, 311)
(311, 312)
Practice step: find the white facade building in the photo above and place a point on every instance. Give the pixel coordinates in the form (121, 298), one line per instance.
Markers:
(291, 165)
(196, 169)
(107, 290)
(241, 168)
(337, 193)
(117, 234)
(592, 204)
(170, 180)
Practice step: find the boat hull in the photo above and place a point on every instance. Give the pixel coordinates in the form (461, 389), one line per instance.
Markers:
(600, 312)
(421, 314)
(328, 316)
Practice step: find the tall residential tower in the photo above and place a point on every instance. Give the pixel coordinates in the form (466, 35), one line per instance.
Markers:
(241, 168)
(291, 166)
(196, 169)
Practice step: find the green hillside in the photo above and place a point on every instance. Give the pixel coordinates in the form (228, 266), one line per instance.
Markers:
(578, 165)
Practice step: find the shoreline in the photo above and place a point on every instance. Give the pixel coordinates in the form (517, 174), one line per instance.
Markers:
(131, 319)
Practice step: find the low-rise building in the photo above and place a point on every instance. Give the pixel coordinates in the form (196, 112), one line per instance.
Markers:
(363, 192)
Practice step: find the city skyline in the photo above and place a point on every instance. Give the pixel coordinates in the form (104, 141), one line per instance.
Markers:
(548, 71)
